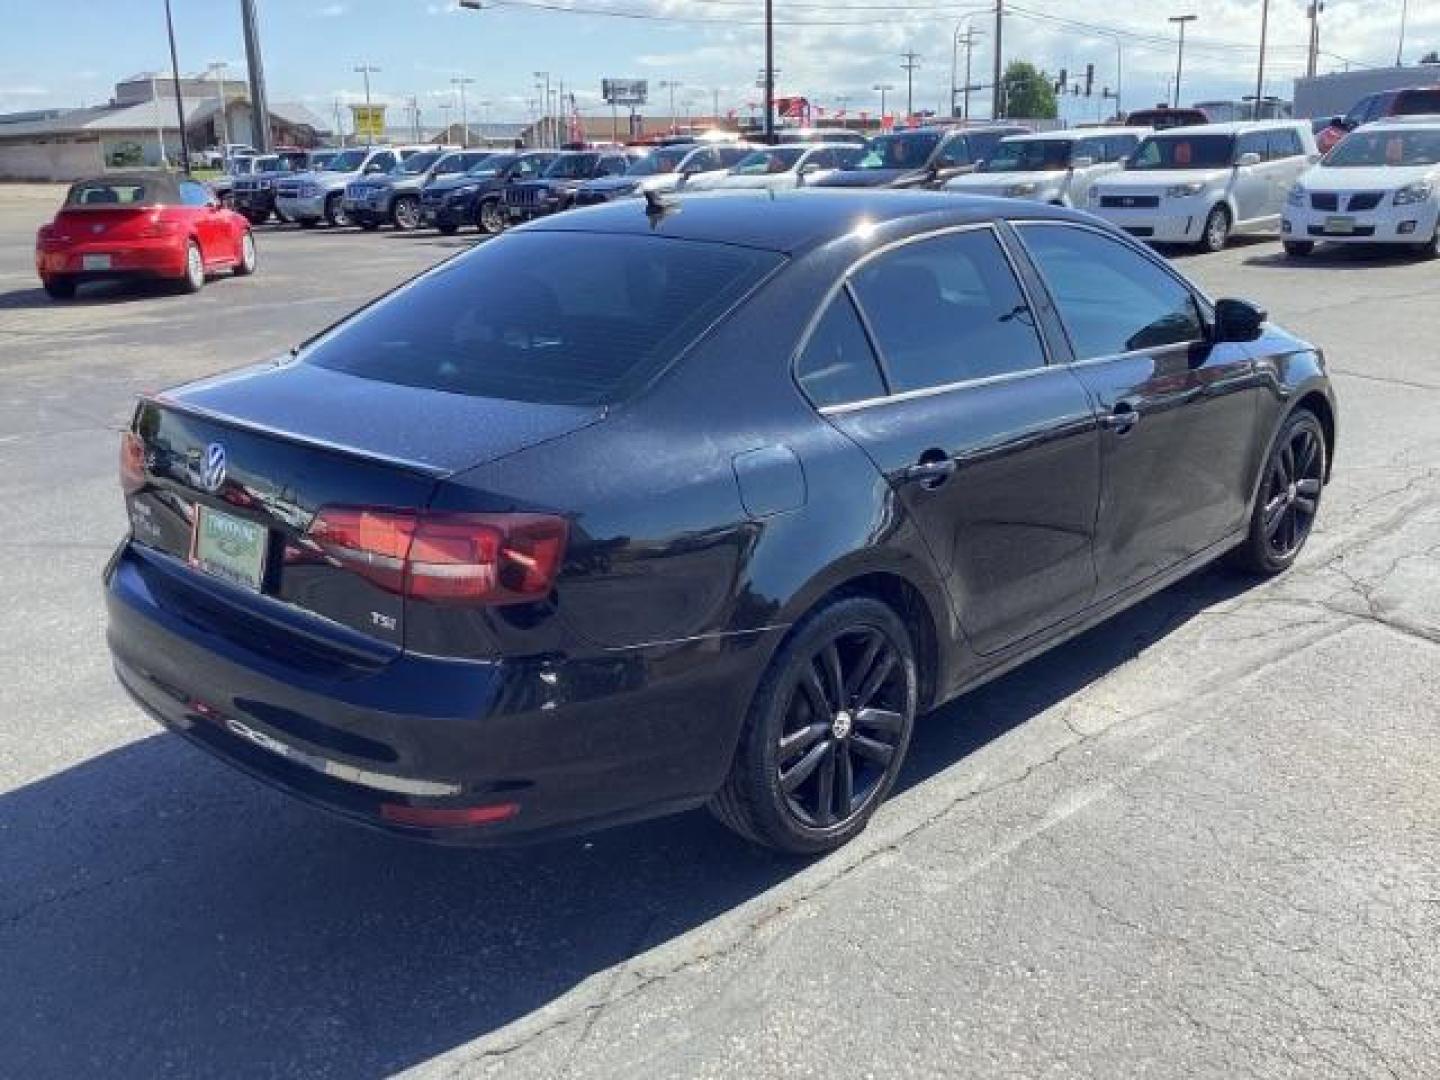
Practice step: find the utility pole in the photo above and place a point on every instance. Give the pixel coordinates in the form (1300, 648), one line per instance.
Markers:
(970, 35)
(769, 72)
(545, 126)
(259, 105)
(339, 126)
(672, 85)
(1260, 71)
(883, 87)
(217, 68)
(365, 70)
(911, 63)
(485, 121)
(1180, 54)
(1313, 62)
(1404, 18)
(445, 109)
(463, 81)
(997, 102)
(715, 100)
(1119, 78)
(179, 106)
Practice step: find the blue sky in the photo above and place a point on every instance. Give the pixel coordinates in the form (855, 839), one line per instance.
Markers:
(71, 52)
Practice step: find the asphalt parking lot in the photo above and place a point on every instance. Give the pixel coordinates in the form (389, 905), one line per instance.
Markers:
(1200, 840)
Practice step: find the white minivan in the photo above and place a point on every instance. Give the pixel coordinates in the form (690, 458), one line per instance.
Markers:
(1199, 185)
(1380, 185)
(1051, 167)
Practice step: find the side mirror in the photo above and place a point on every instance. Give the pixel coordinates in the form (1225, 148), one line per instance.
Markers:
(1246, 160)
(809, 168)
(1082, 162)
(1238, 320)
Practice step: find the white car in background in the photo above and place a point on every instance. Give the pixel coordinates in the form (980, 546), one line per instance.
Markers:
(1199, 185)
(1380, 185)
(779, 168)
(1056, 167)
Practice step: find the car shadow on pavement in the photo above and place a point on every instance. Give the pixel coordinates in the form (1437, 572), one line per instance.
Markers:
(1328, 257)
(163, 915)
(94, 294)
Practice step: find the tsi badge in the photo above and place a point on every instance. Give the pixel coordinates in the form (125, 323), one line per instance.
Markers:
(212, 470)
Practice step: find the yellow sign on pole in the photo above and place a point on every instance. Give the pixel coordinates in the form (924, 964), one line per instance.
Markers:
(369, 121)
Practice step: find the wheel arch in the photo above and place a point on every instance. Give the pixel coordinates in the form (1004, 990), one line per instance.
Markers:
(1317, 403)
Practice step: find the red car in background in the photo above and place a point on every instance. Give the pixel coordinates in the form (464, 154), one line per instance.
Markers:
(141, 225)
(1410, 101)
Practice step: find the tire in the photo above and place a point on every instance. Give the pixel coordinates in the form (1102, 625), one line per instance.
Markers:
(59, 288)
(1299, 249)
(335, 215)
(1287, 497)
(489, 218)
(1217, 230)
(308, 223)
(448, 228)
(790, 797)
(193, 280)
(406, 213)
(369, 223)
(257, 217)
(249, 257)
(1431, 248)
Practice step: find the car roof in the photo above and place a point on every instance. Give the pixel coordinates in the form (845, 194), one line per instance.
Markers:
(789, 221)
(1415, 120)
(1073, 134)
(1237, 127)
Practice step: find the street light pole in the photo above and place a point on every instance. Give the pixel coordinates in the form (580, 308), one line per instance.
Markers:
(545, 126)
(769, 72)
(259, 100)
(217, 68)
(463, 81)
(911, 63)
(1404, 18)
(179, 106)
(997, 102)
(883, 88)
(1180, 53)
(1260, 70)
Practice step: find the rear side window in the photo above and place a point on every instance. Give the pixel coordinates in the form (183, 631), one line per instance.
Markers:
(1285, 143)
(1111, 299)
(1252, 142)
(948, 310)
(953, 153)
(1417, 102)
(838, 365)
(562, 318)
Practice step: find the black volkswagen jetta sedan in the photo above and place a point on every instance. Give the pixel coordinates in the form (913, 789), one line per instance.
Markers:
(693, 505)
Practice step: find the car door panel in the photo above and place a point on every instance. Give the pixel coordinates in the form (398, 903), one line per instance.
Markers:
(994, 453)
(1180, 416)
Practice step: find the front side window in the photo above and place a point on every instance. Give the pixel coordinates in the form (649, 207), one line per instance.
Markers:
(901, 150)
(1111, 299)
(540, 317)
(838, 366)
(1162, 152)
(1394, 147)
(1253, 142)
(953, 153)
(1031, 155)
(573, 167)
(1284, 143)
(763, 162)
(349, 161)
(416, 164)
(948, 310)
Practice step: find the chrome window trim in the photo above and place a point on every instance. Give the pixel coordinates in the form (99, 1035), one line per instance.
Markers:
(844, 282)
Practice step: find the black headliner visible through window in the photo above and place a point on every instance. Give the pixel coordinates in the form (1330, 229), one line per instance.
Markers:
(561, 318)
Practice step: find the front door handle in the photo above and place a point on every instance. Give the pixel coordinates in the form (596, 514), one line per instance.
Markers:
(1122, 418)
(930, 472)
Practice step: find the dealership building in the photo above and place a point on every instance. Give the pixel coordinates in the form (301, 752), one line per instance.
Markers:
(131, 129)
(1333, 95)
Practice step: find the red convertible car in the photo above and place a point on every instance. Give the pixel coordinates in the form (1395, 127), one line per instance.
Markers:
(141, 225)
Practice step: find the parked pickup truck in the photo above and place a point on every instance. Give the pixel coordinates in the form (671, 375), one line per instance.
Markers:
(394, 198)
(318, 195)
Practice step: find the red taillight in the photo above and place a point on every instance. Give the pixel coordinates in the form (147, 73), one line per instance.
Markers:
(132, 462)
(446, 558)
(447, 817)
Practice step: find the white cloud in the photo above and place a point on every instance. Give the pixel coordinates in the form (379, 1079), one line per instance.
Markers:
(332, 11)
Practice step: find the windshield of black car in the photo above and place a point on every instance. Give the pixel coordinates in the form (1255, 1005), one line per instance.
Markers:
(1417, 103)
(782, 159)
(902, 150)
(1393, 148)
(1033, 155)
(1183, 152)
(660, 161)
(572, 166)
(541, 317)
(416, 164)
(349, 161)
(491, 165)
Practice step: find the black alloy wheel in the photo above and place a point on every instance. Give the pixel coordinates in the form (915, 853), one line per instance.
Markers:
(1289, 497)
(827, 731)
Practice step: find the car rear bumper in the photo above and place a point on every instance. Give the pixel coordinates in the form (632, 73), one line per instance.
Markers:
(159, 257)
(1413, 224)
(571, 744)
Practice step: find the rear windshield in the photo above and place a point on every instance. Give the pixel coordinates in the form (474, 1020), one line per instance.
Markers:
(1417, 103)
(561, 318)
(117, 193)
(1184, 152)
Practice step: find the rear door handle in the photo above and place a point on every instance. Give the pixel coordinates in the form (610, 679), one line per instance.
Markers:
(930, 473)
(1122, 418)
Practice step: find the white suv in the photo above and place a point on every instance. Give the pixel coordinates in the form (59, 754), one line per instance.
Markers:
(1380, 185)
(1198, 185)
(1053, 167)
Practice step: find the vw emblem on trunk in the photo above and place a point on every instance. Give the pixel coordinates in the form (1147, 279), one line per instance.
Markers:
(212, 472)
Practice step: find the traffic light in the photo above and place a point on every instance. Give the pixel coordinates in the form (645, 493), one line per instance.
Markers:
(1089, 79)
